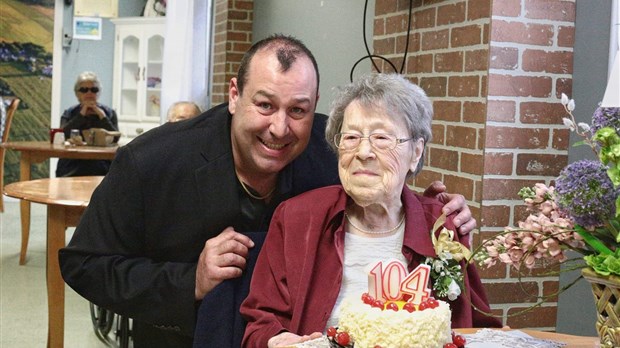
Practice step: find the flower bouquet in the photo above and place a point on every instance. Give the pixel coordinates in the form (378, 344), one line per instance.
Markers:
(581, 213)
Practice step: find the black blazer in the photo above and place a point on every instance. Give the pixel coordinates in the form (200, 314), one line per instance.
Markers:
(167, 192)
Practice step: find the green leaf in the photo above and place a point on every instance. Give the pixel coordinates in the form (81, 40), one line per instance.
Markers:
(615, 223)
(593, 241)
(526, 192)
(613, 264)
(614, 174)
(597, 262)
(579, 143)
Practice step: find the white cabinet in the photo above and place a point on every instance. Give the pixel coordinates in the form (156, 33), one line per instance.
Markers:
(138, 56)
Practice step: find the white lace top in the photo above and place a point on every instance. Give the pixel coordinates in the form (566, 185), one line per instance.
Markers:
(359, 252)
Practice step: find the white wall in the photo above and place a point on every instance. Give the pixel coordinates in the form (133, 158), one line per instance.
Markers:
(331, 29)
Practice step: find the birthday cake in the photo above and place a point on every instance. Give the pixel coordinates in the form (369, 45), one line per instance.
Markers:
(398, 311)
(371, 323)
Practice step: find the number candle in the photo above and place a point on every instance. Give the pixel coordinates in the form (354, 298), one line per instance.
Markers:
(391, 282)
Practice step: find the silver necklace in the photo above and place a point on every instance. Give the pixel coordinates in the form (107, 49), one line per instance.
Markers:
(402, 220)
(267, 195)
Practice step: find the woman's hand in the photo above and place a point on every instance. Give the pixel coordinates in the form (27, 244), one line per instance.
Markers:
(286, 339)
(91, 108)
(463, 221)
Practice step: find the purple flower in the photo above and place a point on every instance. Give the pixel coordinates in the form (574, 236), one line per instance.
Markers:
(585, 192)
(606, 117)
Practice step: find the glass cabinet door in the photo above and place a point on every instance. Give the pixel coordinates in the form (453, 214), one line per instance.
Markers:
(130, 76)
(154, 57)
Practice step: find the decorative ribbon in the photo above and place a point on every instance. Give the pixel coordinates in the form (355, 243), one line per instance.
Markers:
(445, 242)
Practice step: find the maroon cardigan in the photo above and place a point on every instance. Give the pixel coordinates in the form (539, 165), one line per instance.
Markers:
(299, 270)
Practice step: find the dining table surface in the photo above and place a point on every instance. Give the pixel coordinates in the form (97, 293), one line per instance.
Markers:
(42, 150)
(570, 341)
(32, 152)
(66, 199)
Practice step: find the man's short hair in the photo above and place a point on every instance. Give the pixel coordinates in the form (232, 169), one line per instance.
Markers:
(287, 50)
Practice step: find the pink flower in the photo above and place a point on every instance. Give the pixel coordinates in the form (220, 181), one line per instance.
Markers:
(552, 246)
(505, 258)
(547, 207)
(530, 261)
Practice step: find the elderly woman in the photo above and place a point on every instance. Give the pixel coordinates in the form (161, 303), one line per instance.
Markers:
(85, 115)
(320, 242)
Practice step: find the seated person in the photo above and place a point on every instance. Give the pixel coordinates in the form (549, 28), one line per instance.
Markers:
(379, 127)
(182, 110)
(85, 115)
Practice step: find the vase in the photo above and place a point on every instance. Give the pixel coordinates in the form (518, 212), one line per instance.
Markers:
(606, 291)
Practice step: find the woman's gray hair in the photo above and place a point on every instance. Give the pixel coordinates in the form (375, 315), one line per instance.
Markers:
(86, 76)
(392, 93)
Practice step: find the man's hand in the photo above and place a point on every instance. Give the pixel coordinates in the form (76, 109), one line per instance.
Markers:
(463, 221)
(287, 339)
(223, 257)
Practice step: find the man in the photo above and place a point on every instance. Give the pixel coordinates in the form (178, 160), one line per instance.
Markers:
(162, 229)
(182, 110)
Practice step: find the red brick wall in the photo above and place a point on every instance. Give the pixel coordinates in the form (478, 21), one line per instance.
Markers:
(494, 70)
(531, 45)
(232, 37)
(448, 57)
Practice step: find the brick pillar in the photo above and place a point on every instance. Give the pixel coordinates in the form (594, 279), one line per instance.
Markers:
(232, 37)
(494, 70)
(531, 51)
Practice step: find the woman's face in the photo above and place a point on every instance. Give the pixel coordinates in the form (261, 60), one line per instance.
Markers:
(372, 176)
(85, 92)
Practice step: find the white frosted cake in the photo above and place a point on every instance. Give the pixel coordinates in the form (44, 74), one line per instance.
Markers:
(370, 326)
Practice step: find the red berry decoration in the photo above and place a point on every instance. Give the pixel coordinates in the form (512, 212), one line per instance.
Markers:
(378, 304)
(342, 338)
(423, 306)
(409, 307)
(367, 299)
(459, 341)
(331, 332)
(450, 345)
(432, 303)
(393, 306)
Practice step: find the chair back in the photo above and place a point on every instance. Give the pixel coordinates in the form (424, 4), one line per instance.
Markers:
(5, 137)
(9, 117)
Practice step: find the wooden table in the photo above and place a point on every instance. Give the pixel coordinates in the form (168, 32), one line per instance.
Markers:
(570, 340)
(38, 151)
(66, 199)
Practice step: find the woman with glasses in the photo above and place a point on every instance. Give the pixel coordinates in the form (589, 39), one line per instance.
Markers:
(319, 243)
(86, 115)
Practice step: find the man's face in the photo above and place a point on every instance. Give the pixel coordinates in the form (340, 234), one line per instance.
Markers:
(272, 120)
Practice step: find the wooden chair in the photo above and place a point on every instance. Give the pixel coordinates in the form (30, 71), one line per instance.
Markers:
(5, 137)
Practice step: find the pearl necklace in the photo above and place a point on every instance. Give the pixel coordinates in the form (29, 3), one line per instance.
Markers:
(402, 220)
(245, 188)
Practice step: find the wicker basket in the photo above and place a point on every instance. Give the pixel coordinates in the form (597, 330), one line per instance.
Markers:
(606, 292)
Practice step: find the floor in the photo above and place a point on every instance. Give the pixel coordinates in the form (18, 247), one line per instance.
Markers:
(23, 297)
